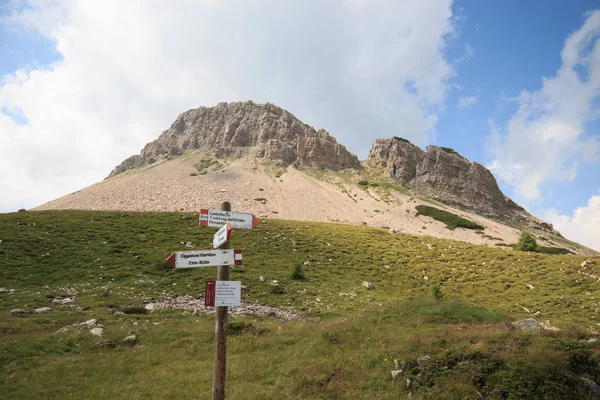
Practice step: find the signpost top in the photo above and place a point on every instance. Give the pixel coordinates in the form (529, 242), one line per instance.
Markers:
(236, 220)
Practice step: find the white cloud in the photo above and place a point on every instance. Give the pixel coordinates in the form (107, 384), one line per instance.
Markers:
(545, 139)
(466, 102)
(358, 69)
(582, 226)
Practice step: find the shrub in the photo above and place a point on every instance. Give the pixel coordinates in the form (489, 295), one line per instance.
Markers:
(363, 183)
(552, 250)
(437, 292)
(298, 274)
(452, 221)
(526, 242)
(135, 310)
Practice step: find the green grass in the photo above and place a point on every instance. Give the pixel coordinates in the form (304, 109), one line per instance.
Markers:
(114, 261)
(452, 221)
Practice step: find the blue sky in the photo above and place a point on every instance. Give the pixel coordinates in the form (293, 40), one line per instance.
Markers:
(85, 84)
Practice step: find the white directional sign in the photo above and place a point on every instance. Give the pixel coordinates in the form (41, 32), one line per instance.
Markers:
(228, 293)
(221, 236)
(205, 258)
(236, 220)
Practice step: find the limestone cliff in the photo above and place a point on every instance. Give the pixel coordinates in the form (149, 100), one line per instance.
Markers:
(246, 129)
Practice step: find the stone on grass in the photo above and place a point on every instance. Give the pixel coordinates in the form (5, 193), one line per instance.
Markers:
(530, 325)
(43, 310)
(18, 312)
(150, 306)
(3, 290)
(396, 374)
(119, 313)
(275, 283)
(97, 331)
(262, 278)
(368, 285)
(130, 340)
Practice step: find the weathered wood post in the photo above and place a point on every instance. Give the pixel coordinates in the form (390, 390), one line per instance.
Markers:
(218, 392)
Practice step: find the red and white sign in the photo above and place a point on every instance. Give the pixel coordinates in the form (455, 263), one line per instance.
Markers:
(228, 293)
(236, 220)
(205, 258)
(209, 294)
(222, 236)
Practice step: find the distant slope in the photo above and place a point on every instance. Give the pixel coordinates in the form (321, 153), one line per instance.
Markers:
(199, 180)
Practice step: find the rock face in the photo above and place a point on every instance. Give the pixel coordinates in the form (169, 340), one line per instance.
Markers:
(444, 175)
(246, 130)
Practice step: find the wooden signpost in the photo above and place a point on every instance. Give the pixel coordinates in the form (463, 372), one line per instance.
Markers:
(221, 293)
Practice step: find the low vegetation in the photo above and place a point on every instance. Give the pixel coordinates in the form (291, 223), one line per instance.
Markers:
(527, 242)
(440, 311)
(204, 165)
(452, 221)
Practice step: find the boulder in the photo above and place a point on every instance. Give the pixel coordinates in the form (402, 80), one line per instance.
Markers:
(368, 285)
(530, 325)
(130, 340)
(18, 312)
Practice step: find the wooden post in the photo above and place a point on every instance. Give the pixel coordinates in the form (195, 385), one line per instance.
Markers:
(218, 392)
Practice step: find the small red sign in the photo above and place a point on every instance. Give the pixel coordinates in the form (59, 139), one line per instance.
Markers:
(209, 294)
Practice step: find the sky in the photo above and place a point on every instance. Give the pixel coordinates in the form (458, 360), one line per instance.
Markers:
(512, 85)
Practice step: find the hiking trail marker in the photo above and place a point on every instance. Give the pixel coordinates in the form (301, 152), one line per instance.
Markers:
(221, 293)
(204, 258)
(220, 217)
(222, 236)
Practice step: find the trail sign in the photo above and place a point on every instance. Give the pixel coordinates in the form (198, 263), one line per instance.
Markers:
(228, 293)
(222, 236)
(236, 220)
(204, 258)
(209, 294)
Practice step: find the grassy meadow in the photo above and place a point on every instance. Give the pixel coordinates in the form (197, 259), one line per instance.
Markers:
(448, 300)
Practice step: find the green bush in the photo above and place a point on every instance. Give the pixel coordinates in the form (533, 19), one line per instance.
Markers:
(526, 242)
(552, 250)
(363, 183)
(135, 310)
(298, 274)
(437, 292)
(452, 221)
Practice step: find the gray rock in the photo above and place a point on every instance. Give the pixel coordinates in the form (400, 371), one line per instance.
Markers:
(130, 340)
(18, 312)
(150, 306)
(368, 285)
(408, 382)
(246, 130)
(97, 331)
(262, 278)
(43, 310)
(275, 283)
(119, 313)
(591, 387)
(423, 360)
(3, 290)
(530, 325)
(396, 374)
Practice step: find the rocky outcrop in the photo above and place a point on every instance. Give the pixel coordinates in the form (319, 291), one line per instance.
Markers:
(245, 130)
(442, 174)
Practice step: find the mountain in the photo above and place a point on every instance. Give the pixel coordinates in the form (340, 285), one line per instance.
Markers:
(265, 161)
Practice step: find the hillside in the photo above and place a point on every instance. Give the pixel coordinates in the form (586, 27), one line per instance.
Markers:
(266, 161)
(108, 265)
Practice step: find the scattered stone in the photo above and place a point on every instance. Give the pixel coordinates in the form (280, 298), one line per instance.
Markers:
(590, 340)
(43, 310)
(275, 283)
(423, 360)
(262, 278)
(530, 286)
(306, 263)
(426, 278)
(393, 230)
(63, 300)
(89, 323)
(530, 325)
(97, 331)
(18, 312)
(586, 263)
(429, 246)
(189, 244)
(546, 325)
(107, 343)
(408, 382)
(396, 365)
(150, 306)
(3, 290)
(368, 285)
(119, 313)
(135, 323)
(396, 374)
(130, 340)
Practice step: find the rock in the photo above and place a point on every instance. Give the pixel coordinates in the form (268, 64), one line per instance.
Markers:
(423, 360)
(591, 387)
(585, 263)
(97, 331)
(275, 283)
(426, 278)
(119, 313)
(18, 312)
(393, 230)
(396, 374)
(89, 323)
(530, 286)
(408, 382)
(3, 290)
(397, 365)
(107, 343)
(590, 340)
(262, 278)
(245, 129)
(444, 175)
(150, 306)
(368, 285)
(530, 325)
(546, 325)
(43, 310)
(130, 340)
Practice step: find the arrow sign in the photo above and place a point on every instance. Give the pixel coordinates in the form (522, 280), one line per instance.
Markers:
(204, 258)
(235, 219)
(222, 236)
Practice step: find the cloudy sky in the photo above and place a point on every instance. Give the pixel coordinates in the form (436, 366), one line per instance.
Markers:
(513, 85)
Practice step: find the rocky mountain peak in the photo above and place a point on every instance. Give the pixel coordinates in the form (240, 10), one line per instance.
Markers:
(442, 174)
(246, 129)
